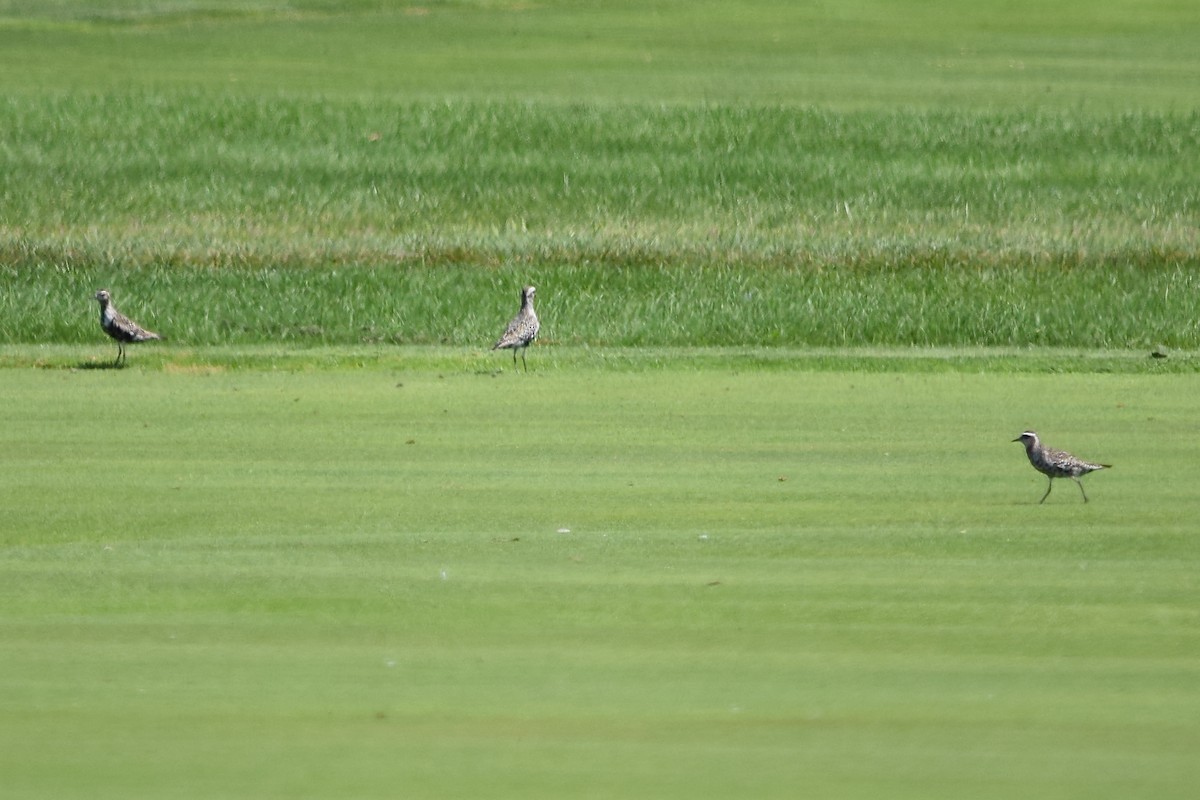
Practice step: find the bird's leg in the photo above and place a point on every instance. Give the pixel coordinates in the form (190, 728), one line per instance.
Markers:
(1079, 483)
(120, 354)
(1047, 494)
(523, 363)
(514, 358)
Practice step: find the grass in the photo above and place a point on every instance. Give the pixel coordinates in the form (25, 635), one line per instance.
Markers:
(334, 583)
(204, 180)
(867, 53)
(481, 361)
(882, 175)
(1120, 308)
(657, 227)
(752, 523)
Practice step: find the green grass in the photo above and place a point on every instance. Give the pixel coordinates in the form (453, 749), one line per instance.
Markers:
(348, 583)
(752, 525)
(215, 180)
(670, 174)
(293, 357)
(224, 220)
(1120, 308)
(1120, 55)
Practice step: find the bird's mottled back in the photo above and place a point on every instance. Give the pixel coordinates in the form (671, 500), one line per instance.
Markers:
(523, 328)
(120, 327)
(1055, 463)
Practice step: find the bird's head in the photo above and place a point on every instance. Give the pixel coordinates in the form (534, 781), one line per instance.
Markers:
(528, 292)
(104, 297)
(1027, 438)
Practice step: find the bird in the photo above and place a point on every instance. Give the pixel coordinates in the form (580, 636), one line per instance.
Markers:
(120, 327)
(523, 329)
(1056, 463)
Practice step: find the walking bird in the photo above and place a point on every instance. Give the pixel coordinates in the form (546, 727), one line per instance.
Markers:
(1056, 463)
(120, 327)
(522, 330)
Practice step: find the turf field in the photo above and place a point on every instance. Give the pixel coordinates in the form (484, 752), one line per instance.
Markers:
(751, 526)
(593, 581)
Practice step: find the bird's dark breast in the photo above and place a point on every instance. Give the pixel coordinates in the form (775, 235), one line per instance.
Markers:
(1054, 469)
(118, 333)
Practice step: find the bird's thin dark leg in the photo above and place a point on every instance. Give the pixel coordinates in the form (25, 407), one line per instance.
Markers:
(120, 354)
(523, 362)
(1047, 494)
(1079, 483)
(514, 358)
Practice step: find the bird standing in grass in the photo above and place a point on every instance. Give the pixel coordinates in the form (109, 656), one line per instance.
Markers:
(1056, 463)
(522, 330)
(120, 327)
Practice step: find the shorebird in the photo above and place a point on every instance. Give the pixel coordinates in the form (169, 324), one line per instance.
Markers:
(1056, 463)
(522, 330)
(120, 327)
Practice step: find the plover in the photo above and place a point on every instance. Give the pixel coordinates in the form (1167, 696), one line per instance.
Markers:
(120, 327)
(522, 330)
(1056, 463)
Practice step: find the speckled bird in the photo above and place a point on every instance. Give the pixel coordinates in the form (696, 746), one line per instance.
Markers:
(1056, 463)
(522, 330)
(120, 327)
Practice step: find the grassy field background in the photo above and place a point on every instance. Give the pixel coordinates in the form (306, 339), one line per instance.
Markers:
(594, 582)
(1076, 55)
(752, 525)
(224, 220)
(905, 173)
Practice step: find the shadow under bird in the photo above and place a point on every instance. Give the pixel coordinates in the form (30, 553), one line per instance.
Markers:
(1056, 463)
(120, 327)
(523, 329)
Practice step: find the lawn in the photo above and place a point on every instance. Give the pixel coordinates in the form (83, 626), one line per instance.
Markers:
(1105, 58)
(642, 581)
(752, 525)
(492, 136)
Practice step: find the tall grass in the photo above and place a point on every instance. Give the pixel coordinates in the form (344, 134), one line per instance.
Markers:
(1126, 307)
(223, 180)
(227, 219)
(732, 174)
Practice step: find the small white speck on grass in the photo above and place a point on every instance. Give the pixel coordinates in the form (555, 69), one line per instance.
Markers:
(389, 664)
(564, 530)
(444, 576)
(703, 537)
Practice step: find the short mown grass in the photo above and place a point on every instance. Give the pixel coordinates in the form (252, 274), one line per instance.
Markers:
(334, 583)
(918, 54)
